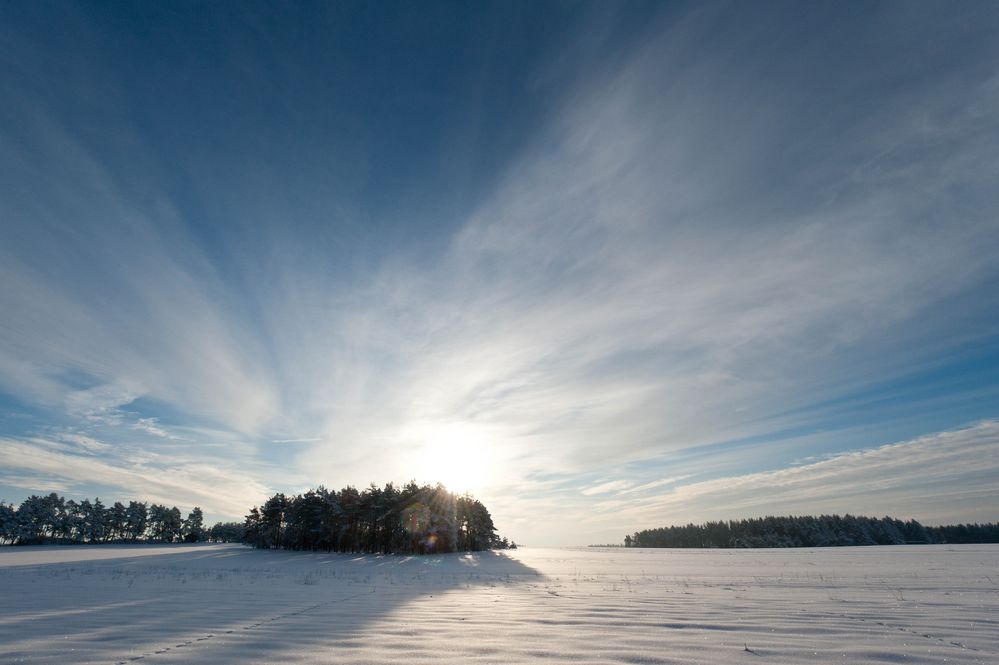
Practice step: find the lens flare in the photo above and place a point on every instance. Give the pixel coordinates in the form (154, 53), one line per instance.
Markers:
(460, 456)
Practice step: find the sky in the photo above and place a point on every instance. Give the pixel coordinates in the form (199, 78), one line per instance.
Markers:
(607, 266)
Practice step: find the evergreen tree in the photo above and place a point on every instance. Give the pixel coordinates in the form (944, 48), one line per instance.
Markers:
(117, 521)
(253, 529)
(272, 520)
(159, 528)
(173, 525)
(136, 519)
(74, 525)
(8, 523)
(411, 519)
(821, 531)
(226, 532)
(31, 519)
(97, 522)
(194, 526)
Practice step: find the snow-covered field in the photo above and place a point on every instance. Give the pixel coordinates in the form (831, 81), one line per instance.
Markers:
(229, 604)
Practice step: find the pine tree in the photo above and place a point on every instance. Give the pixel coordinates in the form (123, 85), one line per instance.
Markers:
(136, 520)
(194, 526)
(117, 522)
(8, 523)
(173, 525)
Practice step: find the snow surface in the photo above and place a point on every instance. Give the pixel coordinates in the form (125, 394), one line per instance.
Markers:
(230, 604)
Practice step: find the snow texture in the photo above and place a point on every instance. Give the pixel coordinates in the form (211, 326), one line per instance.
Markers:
(231, 604)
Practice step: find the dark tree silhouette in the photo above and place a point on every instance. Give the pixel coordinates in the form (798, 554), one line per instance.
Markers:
(412, 519)
(226, 532)
(806, 531)
(194, 526)
(53, 519)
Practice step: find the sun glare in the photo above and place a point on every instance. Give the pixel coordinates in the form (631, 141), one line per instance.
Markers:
(458, 456)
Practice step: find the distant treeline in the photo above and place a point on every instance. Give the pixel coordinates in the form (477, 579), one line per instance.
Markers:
(822, 531)
(54, 519)
(411, 519)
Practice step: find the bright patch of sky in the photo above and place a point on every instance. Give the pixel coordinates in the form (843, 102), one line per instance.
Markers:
(608, 266)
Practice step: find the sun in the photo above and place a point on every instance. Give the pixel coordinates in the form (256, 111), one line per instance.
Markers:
(457, 455)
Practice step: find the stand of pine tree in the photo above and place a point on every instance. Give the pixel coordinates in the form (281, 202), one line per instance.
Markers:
(806, 531)
(54, 519)
(412, 519)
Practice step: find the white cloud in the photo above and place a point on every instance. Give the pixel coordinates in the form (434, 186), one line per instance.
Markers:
(34, 483)
(151, 426)
(100, 404)
(145, 476)
(950, 477)
(624, 294)
(645, 487)
(684, 256)
(604, 488)
(87, 443)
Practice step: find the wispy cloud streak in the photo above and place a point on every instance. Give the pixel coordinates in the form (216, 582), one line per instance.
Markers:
(709, 236)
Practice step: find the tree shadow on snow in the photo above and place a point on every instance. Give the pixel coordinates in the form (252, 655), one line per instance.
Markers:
(229, 604)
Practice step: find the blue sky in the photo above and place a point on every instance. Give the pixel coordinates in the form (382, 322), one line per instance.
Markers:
(608, 266)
